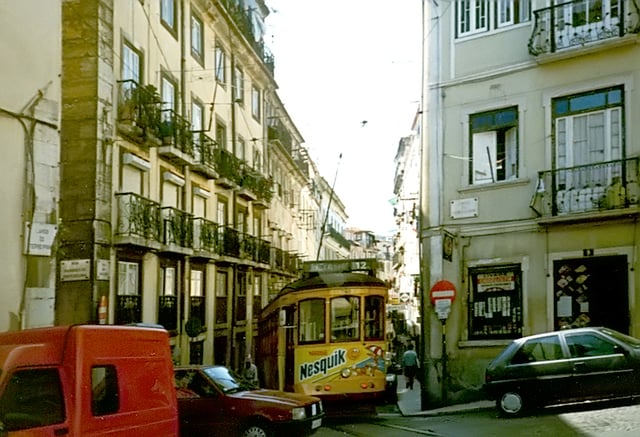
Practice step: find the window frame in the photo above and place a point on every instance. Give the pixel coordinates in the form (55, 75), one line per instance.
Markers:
(315, 304)
(353, 321)
(256, 103)
(169, 16)
(473, 17)
(133, 72)
(238, 85)
(220, 71)
(197, 38)
(502, 132)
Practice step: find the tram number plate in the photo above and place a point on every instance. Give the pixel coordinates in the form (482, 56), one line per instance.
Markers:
(316, 423)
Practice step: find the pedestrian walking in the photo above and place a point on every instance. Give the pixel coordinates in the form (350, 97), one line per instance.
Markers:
(410, 364)
(250, 372)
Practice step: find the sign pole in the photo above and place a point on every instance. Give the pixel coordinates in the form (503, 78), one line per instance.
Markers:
(444, 359)
(442, 296)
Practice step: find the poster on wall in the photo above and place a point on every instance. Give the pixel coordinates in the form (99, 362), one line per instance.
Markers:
(572, 298)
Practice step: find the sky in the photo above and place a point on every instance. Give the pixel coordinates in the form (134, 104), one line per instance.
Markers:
(348, 73)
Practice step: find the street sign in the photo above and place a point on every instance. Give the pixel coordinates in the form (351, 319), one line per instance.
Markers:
(443, 308)
(442, 295)
(442, 290)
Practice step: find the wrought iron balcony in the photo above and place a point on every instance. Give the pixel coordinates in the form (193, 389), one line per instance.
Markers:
(339, 238)
(138, 110)
(128, 309)
(228, 241)
(258, 186)
(253, 248)
(176, 136)
(228, 166)
(204, 155)
(284, 261)
(138, 220)
(197, 309)
(580, 22)
(587, 188)
(168, 312)
(205, 235)
(177, 227)
(244, 22)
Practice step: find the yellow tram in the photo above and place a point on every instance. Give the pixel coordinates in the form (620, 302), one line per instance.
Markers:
(324, 334)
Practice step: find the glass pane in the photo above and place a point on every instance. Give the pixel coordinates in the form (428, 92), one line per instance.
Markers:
(373, 318)
(588, 345)
(32, 398)
(345, 318)
(104, 391)
(311, 321)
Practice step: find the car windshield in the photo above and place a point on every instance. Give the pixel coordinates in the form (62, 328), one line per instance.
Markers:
(225, 380)
(631, 341)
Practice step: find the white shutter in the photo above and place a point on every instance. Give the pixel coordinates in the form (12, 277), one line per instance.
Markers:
(484, 157)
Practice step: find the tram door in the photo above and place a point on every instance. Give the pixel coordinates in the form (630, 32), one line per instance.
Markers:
(289, 356)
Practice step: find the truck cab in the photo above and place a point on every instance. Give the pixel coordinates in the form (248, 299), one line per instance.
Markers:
(87, 380)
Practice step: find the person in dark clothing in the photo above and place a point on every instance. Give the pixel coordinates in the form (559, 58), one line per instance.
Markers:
(411, 364)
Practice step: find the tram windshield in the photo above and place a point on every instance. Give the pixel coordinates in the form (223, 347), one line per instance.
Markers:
(345, 318)
(311, 321)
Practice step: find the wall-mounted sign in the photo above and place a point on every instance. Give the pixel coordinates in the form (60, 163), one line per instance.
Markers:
(75, 270)
(464, 208)
(39, 238)
(102, 269)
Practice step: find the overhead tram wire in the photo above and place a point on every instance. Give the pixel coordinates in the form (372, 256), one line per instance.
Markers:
(326, 216)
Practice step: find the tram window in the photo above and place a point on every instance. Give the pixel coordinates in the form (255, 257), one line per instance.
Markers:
(345, 318)
(311, 319)
(373, 311)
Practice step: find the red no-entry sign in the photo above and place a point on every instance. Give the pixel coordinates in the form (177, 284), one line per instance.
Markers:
(442, 290)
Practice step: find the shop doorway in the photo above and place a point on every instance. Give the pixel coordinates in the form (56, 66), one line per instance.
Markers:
(592, 291)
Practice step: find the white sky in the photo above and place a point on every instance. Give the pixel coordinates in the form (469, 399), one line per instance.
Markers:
(337, 63)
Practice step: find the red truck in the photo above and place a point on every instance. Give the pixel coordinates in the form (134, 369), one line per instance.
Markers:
(87, 380)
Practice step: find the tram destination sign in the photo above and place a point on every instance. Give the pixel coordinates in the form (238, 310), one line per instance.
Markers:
(341, 266)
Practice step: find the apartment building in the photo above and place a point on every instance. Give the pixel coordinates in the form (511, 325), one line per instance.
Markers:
(405, 294)
(158, 177)
(530, 152)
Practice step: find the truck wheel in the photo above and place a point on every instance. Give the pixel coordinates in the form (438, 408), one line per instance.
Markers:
(510, 404)
(256, 430)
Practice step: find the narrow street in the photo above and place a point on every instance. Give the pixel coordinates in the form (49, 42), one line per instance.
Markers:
(597, 419)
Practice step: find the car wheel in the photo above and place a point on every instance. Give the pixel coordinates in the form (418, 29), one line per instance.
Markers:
(256, 430)
(510, 404)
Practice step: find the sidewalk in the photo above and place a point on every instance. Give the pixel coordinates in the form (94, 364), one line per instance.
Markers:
(409, 402)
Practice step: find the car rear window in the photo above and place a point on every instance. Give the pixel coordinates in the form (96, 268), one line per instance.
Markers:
(631, 341)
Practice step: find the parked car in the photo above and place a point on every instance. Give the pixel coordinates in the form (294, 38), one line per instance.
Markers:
(564, 366)
(214, 401)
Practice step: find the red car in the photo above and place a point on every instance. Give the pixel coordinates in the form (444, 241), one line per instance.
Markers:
(212, 401)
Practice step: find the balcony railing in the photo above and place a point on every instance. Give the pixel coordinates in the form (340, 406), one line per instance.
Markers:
(244, 22)
(205, 235)
(168, 312)
(138, 217)
(228, 166)
(228, 241)
(257, 184)
(581, 22)
(128, 309)
(586, 188)
(139, 107)
(204, 154)
(177, 227)
(175, 131)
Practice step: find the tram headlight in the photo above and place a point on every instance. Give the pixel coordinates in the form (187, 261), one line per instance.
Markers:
(298, 413)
